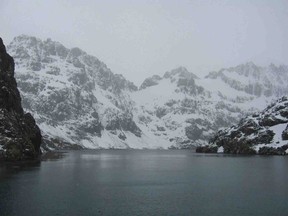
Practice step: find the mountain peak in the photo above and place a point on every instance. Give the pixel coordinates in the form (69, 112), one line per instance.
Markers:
(178, 73)
(250, 64)
(2, 46)
(151, 81)
(23, 38)
(181, 72)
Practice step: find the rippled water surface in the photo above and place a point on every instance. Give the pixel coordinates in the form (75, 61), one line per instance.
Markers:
(146, 182)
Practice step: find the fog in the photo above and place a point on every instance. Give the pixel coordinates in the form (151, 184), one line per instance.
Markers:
(140, 38)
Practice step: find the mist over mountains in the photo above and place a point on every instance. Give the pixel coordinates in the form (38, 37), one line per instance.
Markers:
(78, 101)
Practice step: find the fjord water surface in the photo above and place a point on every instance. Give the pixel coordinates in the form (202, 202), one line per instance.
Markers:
(146, 182)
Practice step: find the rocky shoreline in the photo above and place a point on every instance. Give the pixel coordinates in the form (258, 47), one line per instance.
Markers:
(263, 133)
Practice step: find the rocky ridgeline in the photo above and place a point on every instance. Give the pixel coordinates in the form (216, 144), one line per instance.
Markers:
(20, 137)
(75, 97)
(78, 101)
(178, 107)
(265, 133)
(267, 81)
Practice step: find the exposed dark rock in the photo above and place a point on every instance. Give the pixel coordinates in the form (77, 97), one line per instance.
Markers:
(93, 127)
(160, 128)
(193, 132)
(122, 136)
(265, 136)
(124, 122)
(238, 147)
(206, 149)
(273, 151)
(181, 72)
(160, 112)
(285, 134)
(20, 137)
(249, 127)
(186, 144)
(271, 121)
(152, 81)
(35, 65)
(253, 130)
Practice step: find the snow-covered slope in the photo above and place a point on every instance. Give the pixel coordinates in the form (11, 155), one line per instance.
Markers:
(186, 110)
(76, 99)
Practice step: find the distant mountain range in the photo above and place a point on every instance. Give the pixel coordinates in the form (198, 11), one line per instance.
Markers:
(78, 102)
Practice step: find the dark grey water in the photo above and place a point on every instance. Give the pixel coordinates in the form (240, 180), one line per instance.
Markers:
(123, 182)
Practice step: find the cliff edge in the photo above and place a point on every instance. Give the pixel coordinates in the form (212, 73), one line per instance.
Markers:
(20, 137)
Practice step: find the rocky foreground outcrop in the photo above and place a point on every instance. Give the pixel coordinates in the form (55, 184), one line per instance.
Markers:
(264, 133)
(20, 137)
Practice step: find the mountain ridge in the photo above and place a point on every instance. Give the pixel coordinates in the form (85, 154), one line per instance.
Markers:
(77, 99)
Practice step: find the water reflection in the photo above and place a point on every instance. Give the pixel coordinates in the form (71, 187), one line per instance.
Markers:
(8, 169)
(102, 157)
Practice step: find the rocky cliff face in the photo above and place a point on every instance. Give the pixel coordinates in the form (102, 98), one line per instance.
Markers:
(20, 137)
(75, 97)
(264, 132)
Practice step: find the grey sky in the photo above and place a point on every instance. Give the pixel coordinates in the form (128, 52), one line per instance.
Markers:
(144, 37)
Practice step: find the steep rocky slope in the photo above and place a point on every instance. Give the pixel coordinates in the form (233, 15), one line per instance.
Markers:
(264, 132)
(77, 100)
(20, 137)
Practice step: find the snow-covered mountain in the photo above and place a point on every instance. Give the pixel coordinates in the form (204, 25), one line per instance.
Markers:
(187, 110)
(76, 99)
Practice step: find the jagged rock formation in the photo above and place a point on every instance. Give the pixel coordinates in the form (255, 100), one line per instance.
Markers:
(76, 99)
(20, 137)
(263, 133)
(151, 81)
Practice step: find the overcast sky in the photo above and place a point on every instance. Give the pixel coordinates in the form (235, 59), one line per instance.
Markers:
(139, 38)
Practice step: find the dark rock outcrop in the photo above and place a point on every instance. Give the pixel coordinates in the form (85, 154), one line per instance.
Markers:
(207, 149)
(123, 122)
(151, 81)
(285, 134)
(20, 137)
(258, 128)
(273, 151)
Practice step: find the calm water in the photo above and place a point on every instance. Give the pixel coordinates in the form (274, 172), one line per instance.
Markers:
(155, 182)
